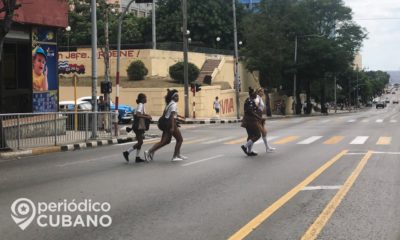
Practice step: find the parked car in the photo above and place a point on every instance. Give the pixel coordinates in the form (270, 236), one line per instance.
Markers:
(65, 106)
(69, 107)
(396, 101)
(369, 104)
(125, 112)
(380, 104)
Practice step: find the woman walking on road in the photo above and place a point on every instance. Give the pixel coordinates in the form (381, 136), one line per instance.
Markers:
(251, 121)
(171, 128)
(260, 104)
(139, 126)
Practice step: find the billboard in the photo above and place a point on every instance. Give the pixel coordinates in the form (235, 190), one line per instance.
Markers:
(44, 70)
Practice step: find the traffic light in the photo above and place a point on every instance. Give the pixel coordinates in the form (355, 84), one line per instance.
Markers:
(105, 87)
(198, 87)
(144, 1)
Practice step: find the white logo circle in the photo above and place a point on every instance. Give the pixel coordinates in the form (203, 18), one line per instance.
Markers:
(23, 212)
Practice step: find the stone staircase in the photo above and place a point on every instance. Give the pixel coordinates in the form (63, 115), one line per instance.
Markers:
(208, 68)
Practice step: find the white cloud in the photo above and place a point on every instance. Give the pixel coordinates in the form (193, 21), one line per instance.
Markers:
(381, 49)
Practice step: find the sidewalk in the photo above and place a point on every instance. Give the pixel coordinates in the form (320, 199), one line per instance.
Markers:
(152, 133)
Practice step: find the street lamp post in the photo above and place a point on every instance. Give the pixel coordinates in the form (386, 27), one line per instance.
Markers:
(119, 54)
(68, 29)
(185, 33)
(94, 67)
(296, 105)
(236, 58)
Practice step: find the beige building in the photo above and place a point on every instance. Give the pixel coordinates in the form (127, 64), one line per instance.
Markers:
(158, 63)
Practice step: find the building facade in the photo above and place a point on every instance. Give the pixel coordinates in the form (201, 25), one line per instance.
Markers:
(28, 71)
(139, 9)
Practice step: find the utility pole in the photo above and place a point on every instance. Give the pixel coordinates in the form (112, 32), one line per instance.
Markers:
(106, 57)
(153, 21)
(185, 33)
(295, 77)
(121, 17)
(335, 93)
(236, 58)
(94, 68)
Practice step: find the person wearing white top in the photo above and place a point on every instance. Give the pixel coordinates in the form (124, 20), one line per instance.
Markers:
(216, 106)
(172, 130)
(139, 113)
(260, 104)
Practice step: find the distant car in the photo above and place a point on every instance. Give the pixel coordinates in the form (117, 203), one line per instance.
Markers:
(387, 100)
(66, 106)
(125, 112)
(395, 101)
(380, 105)
(393, 93)
(369, 104)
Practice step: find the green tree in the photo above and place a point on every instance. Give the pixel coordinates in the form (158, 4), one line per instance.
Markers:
(328, 41)
(80, 22)
(176, 72)
(137, 70)
(207, 20)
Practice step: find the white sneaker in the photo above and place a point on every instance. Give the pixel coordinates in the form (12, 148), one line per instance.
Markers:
(271, 149)
(176, 159)
(148, 156)
(183, 157)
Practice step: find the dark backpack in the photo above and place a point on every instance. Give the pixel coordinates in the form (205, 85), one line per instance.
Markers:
(163, 122)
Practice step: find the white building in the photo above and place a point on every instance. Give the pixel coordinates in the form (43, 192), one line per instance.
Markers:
(139, 9)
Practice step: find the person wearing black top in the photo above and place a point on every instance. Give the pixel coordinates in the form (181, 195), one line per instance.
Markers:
(251, 120)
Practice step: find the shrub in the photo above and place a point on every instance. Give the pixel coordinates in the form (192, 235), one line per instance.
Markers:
(176, 72)
(137, 71)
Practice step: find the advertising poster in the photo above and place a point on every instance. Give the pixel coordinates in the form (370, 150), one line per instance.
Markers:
(44, 70)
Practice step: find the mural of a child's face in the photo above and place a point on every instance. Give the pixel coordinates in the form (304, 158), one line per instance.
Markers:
(39, 63)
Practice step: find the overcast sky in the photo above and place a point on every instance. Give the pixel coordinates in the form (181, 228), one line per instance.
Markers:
(381, 51)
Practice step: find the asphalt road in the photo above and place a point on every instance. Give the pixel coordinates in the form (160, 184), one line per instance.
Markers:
(331, 177)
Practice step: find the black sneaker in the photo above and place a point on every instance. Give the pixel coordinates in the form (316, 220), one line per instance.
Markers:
(252, 154)
(245, 150)
(126, 156)
(138, 160)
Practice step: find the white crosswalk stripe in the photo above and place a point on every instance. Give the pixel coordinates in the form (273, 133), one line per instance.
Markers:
(310, 140)
(365, 120)
(351, 120)
(269, 138)
(359, 140)
(379, 120)
(219, 140)
(393, 121)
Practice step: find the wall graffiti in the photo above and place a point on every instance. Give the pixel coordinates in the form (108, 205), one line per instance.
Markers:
(227, 106)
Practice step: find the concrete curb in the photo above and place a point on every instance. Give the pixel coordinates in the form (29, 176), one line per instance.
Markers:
(64, 148)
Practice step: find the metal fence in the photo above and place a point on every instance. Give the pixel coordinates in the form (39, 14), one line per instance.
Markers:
(27, 130)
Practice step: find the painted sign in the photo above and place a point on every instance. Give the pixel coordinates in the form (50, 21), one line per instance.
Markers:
(227, 106)
(100, 54)
(64, 67)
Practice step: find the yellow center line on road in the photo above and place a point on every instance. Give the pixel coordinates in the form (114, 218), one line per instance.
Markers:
(384, 141)
(286, 140)
(195, 140)
(240, 140)
(320, 222)
(265, 214)
(334, 140)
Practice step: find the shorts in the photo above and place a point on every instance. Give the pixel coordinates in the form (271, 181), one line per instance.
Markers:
(217, 110)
